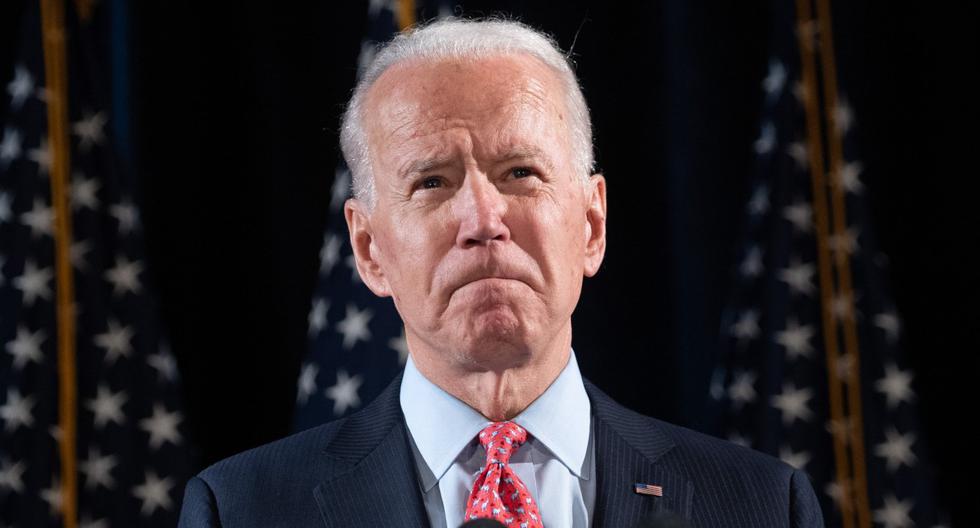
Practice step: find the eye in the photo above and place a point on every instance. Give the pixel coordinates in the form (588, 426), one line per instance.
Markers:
(522, 172)
(432, 182)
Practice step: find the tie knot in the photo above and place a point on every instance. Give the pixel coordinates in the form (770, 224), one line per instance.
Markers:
(500, 439)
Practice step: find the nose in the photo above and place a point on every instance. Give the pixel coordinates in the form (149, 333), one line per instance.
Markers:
(480, 208)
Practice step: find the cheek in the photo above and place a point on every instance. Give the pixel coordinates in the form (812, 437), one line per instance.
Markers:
(413, 249)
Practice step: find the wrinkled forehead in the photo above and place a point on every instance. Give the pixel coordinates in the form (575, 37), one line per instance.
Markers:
(422, 96)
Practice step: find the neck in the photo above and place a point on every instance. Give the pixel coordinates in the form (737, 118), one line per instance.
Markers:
(498, 394)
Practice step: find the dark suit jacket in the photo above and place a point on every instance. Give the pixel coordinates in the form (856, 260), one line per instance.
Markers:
(360, 471)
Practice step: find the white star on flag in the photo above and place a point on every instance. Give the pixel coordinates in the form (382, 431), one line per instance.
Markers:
(843, 116)
(354, 326)
(162, 426)
(896, 386)
(340, 190)
(747, 326)
(154, 492)
(26, 347)
(165, 365)
(344, 392)
(16, 412)
(400, 344)
(792, 402)
(53, 497)
(307, 382)
(127, 216)
(799, 277)
(42, 155)
(894, 513)
(759, 203)
(767, 139)
(317, 319)
(34, 283)
(10, 147)
(896, 449)
(741, 391)
(76, 254)
(891, 324)
(84, 192)
(796, 339)
(116, 341)
(845, 241)
(797, 460)
(87, 522)
(98, 469)
(107, 407)
(89, 130)
(40, 219)
(12, 475)
(125, 276)
(842, 306)
(847, 177)
(800, 215)
(775, 80)
(20, 87)
(351, 262)
(752, 265)
(798, 151)
(329, 253)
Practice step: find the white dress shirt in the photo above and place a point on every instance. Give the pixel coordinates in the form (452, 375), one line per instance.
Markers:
(557, 464)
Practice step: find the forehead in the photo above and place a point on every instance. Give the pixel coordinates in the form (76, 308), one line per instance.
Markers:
(506, 99)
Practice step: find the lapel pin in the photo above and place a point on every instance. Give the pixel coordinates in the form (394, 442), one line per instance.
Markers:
(648, 489)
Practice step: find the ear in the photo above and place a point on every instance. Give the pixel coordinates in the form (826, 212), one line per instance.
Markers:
(595, 224)
(364, 245)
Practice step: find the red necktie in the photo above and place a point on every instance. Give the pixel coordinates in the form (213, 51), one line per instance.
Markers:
(498, 493)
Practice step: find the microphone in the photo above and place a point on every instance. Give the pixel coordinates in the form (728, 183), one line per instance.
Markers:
(482, 523)
(662, 521)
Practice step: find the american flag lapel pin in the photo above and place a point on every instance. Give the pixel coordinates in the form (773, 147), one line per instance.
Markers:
(648, 489)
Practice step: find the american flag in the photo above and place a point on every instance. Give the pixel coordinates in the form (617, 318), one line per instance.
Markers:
(129, 446)
(356, 340)
(812, 368)
(648, 489)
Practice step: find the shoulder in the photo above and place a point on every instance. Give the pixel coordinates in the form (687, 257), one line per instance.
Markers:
(289, 459)
(699, 455)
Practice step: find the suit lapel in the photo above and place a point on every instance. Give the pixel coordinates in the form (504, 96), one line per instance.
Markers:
(368, 477)
(627, 451)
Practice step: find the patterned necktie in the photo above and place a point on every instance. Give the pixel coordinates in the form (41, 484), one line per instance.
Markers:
(498, 493)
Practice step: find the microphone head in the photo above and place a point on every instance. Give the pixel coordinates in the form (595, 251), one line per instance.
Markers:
(482, 523)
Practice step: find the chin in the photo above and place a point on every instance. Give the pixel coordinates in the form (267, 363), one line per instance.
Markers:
(497, 344)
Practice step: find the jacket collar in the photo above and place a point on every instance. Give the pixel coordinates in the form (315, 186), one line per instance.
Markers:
(629, 450)
(369, 478)
(370, 468)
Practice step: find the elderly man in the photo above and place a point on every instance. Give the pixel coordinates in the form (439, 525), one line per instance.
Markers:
(476, 209)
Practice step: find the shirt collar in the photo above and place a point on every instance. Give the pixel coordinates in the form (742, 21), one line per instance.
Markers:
(442, 425)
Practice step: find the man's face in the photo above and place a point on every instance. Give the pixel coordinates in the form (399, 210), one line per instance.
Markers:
(482, 229)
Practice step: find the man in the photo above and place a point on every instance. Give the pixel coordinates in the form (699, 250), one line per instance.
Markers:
(476, 209)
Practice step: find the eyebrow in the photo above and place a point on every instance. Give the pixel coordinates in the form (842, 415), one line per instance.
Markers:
(425, 165)
(523, 152)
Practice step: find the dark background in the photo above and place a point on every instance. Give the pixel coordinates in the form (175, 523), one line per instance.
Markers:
(236, 126)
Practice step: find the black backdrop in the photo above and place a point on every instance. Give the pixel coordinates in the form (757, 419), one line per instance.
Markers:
(236, 118)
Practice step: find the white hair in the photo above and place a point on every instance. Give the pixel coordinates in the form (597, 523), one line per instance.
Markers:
(460, 39)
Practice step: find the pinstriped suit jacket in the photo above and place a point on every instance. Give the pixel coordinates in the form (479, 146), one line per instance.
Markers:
(359, 471)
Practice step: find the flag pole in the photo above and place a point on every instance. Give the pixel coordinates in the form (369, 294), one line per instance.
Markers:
(842, 263)
(56, 80)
